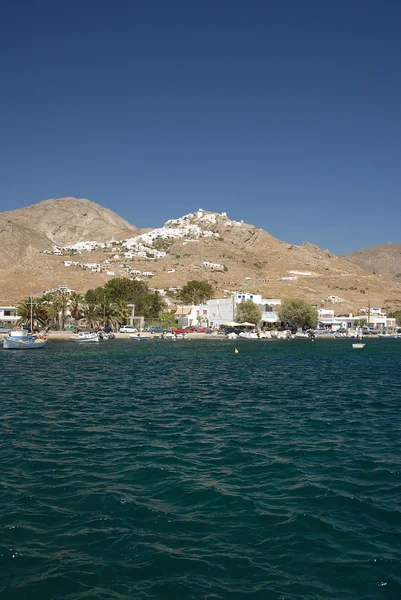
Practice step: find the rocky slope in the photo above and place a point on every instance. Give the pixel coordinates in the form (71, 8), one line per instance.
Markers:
(384, 260)
(231, 255)
(25, 231)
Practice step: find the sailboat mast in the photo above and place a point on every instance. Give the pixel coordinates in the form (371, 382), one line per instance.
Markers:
(31, 313)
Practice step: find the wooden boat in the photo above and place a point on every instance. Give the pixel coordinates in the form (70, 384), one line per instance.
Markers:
(21, 340)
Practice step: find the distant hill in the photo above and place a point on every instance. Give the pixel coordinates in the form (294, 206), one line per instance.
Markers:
(56, 222)
(231, 255)
(384, 260)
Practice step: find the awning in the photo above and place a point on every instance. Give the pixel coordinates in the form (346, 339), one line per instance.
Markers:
(232, 324)
(246, 324)
(183, 311)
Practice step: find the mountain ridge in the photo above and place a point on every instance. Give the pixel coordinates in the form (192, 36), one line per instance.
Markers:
(232, 255)
(384, 260)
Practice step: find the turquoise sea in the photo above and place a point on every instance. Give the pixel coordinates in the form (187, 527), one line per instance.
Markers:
(181, 470)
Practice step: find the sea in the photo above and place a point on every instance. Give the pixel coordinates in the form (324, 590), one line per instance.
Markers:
(184, 470)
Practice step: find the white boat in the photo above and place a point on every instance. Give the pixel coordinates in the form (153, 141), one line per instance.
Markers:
(139, 338)
(248, 335)
(301, 335)
(21, 340)
(390, 336)
(84, 337)
(358, 345)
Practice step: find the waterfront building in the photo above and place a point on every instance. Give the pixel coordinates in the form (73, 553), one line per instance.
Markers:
(223, 310)
(8, 316)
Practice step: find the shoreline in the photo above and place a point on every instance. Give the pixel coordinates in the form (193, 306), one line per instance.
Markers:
(65, 336)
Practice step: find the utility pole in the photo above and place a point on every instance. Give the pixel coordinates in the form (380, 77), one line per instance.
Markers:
(368, 313)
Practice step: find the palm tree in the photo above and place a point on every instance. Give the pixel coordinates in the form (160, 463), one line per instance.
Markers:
(62, 301)
(76, 301)
(24, 311)
(91, 313)
(30, 308)
(107, 311)
(122, 312)
(53, 313)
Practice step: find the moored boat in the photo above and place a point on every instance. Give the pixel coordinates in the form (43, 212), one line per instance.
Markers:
(21, 340)
(139, 338)
(84, 337)
(359, 346)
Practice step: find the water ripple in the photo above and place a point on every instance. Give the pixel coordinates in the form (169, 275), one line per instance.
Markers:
(184, 471)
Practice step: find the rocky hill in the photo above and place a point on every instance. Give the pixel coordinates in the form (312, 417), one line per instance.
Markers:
(231, 255)
(25, 231)
(384, 260)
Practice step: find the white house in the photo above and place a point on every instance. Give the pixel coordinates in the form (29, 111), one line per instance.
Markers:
(223, 310)
(374, 321)
(8, 316)
(191, 316)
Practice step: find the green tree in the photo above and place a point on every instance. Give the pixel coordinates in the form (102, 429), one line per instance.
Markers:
(60, 303)
(397, 316)
(39, 315)
(195, 292)
(168, 319)
(123, 312)
(76, 301)
(121, 288)
(92, 313)
(248, 311)
(299, 312)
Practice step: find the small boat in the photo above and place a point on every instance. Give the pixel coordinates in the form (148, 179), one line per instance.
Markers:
(248, 335)
(358, 345)
(84, 337)
(139, 338)
(20, 340)
(106, 336)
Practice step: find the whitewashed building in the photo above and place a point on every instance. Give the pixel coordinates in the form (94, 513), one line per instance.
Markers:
(191, 316)
(223, 310)
(376, 320)
(8, 316)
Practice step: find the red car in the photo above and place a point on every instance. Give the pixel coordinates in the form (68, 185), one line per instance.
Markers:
(176, 330)
(204, 330)
(190, 328)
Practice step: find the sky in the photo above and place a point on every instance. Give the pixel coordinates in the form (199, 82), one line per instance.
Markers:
(283, 114)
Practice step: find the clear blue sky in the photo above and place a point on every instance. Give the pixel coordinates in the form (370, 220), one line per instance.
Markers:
(284, 114)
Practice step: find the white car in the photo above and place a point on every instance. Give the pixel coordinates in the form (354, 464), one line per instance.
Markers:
(128, 329)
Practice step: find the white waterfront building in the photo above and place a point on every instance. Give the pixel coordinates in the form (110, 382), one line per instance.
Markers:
(223, 310)
(8, 316)
(377, 319)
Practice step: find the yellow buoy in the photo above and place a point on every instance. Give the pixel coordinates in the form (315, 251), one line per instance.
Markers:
(235, 351)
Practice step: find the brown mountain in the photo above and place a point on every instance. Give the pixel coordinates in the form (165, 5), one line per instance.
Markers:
(384, 260)
(26, 231)
(231, 255)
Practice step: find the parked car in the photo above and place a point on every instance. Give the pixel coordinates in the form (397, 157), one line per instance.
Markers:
(204, 330)
(128, 329)
(155, 329)
(178, 331)
(192, 328)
